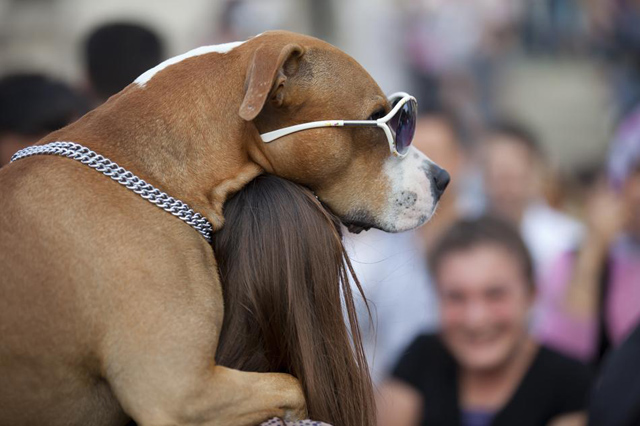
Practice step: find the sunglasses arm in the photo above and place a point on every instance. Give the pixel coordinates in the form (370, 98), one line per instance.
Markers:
(276, 134)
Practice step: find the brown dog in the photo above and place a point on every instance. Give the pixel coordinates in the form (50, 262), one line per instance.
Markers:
(110, 307)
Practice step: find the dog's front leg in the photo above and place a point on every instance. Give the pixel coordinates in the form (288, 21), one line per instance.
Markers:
(160, 367)
(217, 396)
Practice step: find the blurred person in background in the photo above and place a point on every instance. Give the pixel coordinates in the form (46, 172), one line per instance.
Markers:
(440, 135)
(455, 49)
(483, 368)
(392, 267)
(554, 26)
(514, 166)
(32, 106)
(614, 28)
(116, 54)
(241, 19)
(591, 300)
(615, 400)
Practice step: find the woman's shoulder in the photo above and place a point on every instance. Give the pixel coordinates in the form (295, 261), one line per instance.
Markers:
(564, 380)
(426, 346)
(428, 367)
(425, 357)
(562, 367)
(553, 386)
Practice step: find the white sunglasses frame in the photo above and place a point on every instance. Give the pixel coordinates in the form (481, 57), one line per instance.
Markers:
(381, 122)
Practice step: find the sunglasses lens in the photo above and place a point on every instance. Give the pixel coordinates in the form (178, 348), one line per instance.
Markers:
(404, 125)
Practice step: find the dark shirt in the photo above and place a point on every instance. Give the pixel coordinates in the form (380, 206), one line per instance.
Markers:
(553, 385)
(615, 400)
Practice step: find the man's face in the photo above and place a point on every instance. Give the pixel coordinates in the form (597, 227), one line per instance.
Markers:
(510, 174)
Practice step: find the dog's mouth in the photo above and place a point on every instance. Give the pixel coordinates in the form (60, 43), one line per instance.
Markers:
(359, 221)
(355, 222)
(356, 228)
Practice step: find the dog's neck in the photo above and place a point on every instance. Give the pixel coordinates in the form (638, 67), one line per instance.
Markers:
(180, 139)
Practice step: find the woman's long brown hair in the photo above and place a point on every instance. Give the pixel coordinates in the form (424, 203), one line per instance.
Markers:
(285, 278)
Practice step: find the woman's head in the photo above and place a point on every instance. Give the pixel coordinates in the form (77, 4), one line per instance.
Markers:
(484, 278)
(623, 168)
(285, 279)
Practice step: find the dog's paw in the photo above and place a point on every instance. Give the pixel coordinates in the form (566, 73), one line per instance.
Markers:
(292, 416)
(295, 406)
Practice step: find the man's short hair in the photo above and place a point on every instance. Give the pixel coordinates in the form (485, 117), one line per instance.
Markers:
(117, 53)
(451, 119)
(486, 230)
(518, 133)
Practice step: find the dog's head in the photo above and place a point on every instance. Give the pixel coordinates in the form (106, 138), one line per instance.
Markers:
(295, 79)
(213, 95)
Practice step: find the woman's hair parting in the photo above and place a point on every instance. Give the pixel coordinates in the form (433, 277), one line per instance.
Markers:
(285, 278)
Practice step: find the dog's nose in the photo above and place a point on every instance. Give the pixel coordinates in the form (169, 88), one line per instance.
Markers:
(440, 179)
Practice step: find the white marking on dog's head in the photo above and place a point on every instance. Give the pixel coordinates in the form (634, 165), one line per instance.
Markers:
(411, 201)
(218, 48)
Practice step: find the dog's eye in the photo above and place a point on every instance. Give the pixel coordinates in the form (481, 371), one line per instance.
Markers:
(378, 114)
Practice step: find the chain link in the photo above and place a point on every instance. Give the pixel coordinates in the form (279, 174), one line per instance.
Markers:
(124, 177)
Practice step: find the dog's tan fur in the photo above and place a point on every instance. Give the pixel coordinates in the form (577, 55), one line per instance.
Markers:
(110, 307)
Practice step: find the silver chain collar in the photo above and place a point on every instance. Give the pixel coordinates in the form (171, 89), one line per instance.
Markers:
(124, 177)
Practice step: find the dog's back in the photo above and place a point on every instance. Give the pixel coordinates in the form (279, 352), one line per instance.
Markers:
(49, 365)
(80, 258)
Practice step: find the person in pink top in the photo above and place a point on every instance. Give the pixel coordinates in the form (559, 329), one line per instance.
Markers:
(590, 301)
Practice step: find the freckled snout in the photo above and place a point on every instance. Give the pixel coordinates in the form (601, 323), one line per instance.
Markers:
(439, 180)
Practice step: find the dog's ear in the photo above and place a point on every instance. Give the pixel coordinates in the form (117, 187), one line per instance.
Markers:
(268, 72)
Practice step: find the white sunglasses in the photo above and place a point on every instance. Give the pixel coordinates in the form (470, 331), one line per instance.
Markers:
(399, 124)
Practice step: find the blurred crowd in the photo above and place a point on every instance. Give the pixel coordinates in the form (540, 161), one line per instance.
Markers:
(536, 334)
(519, 303)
